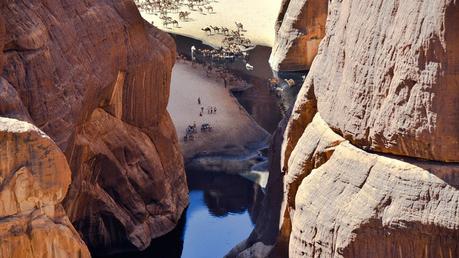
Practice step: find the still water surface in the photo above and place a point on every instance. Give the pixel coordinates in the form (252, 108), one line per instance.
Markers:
(221, 214)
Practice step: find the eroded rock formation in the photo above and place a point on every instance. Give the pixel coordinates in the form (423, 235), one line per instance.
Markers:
(380, 95)
(95, 77)
(34, 178)
(299, 29)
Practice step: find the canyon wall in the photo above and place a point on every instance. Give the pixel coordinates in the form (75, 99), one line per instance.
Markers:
(368, 160)
(299, 29)
(34, 178)
(95, 77)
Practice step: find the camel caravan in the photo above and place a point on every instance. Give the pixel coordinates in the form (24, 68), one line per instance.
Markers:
(234, 46)
(165, 9)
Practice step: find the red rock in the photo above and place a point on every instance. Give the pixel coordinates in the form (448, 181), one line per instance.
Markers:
(299, 29)
(71, 63)
(34, 177)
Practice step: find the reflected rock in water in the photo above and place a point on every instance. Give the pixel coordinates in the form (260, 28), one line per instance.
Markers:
(167, 246)
(225, 194)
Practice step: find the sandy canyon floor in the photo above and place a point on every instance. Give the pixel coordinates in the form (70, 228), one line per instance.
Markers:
(257, 16)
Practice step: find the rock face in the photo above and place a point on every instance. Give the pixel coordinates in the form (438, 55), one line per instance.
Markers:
(383, 82)
(299, 29)
(34, 178)
(387, 74)
(95, 77)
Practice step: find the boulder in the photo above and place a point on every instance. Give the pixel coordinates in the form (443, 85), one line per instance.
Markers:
(34, 178)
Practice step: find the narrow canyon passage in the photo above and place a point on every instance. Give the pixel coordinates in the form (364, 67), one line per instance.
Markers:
(229, 129)
(223, 207)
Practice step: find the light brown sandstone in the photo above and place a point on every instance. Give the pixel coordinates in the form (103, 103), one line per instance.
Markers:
(387, 74)
(95, 77)
(344, 202)
(380, 96)
(299, 29)
(34, 177)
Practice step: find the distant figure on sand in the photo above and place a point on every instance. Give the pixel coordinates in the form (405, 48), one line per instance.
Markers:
(193, 57)
(199, 101)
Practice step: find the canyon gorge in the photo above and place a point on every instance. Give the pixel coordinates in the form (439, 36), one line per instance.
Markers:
(364, 164)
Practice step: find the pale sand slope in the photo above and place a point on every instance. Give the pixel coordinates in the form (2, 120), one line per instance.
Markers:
(258, 17)
(232, 126)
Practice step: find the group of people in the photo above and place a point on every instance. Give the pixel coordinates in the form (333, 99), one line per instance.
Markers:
(210, 109)
(191, 130)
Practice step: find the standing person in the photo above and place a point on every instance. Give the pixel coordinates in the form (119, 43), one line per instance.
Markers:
(224, 80)
(193, 58)
(202, 109)
(215, 110)
(199, 101)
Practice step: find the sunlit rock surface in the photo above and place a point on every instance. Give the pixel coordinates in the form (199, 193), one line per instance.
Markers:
(299, 29)
(34, 178)
(379, 96)
(95, 77)
(387, 74)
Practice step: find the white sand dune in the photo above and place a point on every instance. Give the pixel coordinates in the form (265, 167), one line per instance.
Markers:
(232, 126)
(257, 16)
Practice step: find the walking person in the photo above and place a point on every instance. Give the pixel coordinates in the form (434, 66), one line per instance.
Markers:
(199, 101)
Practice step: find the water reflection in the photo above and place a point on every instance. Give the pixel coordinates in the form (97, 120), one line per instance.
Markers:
(221, 213)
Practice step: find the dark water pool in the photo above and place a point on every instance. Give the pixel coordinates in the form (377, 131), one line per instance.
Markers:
(221, 214)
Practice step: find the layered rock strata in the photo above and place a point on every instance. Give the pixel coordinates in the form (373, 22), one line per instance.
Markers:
(368, 158)
(34, 178)
(95, 77)
(299, 29)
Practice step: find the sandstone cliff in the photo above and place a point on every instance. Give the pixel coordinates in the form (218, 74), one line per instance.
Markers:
(34, 178)
(95, 77)
(380, 96)
(299, 29)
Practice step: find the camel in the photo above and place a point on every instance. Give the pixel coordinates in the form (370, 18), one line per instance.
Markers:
(183, 15)
(207, 30)
(225, 30)
(209, 9)
(239, 26)
(215, 28)
(175, 23)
